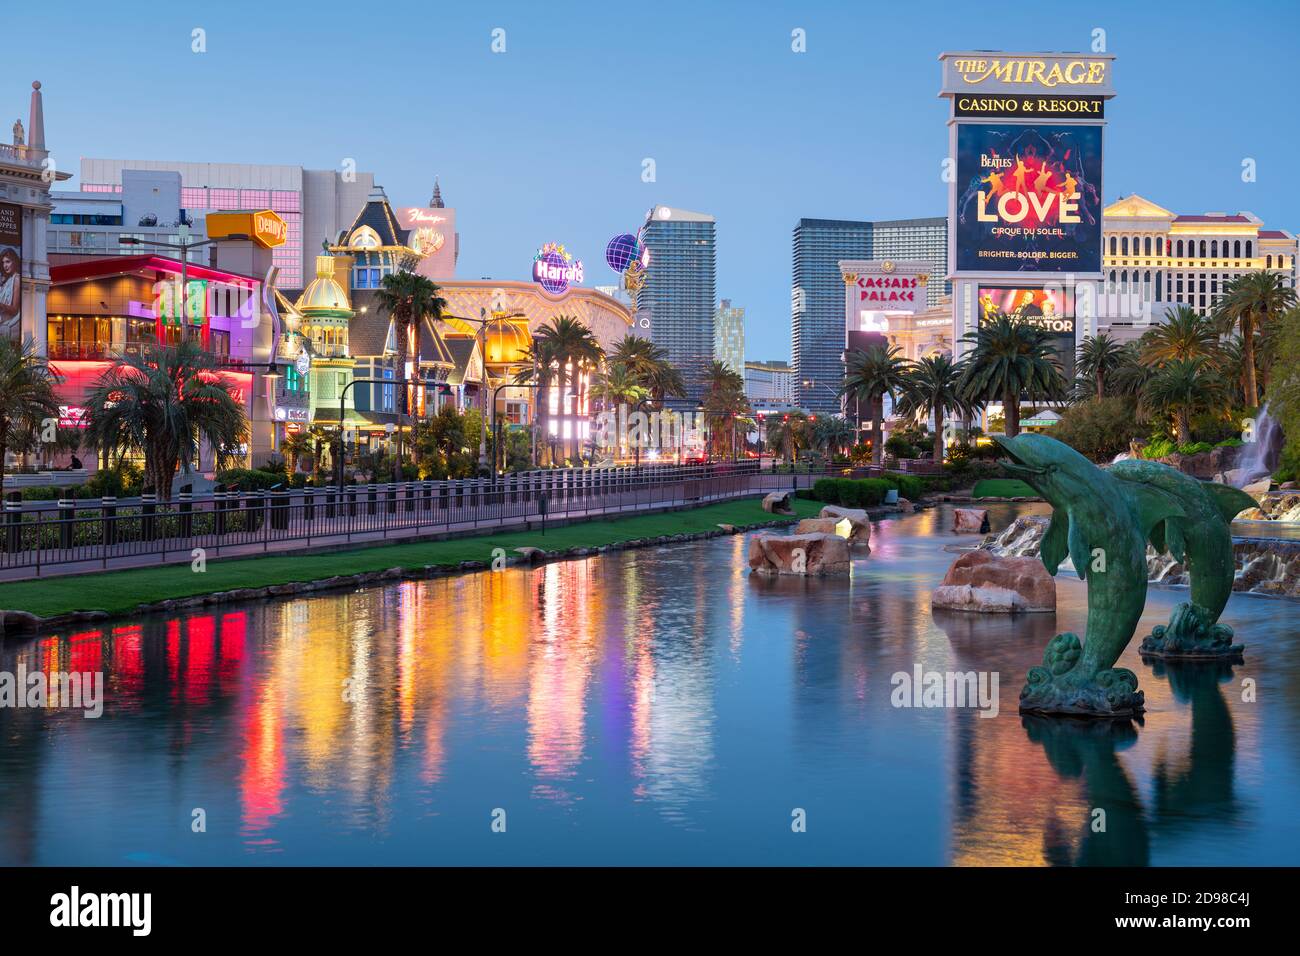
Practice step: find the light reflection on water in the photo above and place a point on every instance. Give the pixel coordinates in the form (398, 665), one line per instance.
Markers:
(653, 706)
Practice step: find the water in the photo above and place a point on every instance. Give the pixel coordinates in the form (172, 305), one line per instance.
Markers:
(653, 707)
(1260, 458)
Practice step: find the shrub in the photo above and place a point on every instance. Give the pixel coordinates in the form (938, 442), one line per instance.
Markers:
(823, 489)
(1157, 448)
(900, 447)
(248, 479)
(1098, 430)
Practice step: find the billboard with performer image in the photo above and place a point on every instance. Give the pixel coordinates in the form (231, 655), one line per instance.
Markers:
(1028, 199)
(1050, 308)
(11, 271)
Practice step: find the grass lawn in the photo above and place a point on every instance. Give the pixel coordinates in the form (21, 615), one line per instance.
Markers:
(1002, 488)
(121, 591)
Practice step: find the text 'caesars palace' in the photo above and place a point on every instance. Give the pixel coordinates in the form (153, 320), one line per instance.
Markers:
(1027, 234)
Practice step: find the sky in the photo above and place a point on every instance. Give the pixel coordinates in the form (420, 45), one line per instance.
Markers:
(547, 141)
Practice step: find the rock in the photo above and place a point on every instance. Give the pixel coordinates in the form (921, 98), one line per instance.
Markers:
(859, 523)
(1020, 539)
(1259, 488)
(530, 554)
(1288, 485)
(728, 528)
(905, 507)
(802, 554)
(778, 503)
(970, 521)
(982, 581)
(816, 526)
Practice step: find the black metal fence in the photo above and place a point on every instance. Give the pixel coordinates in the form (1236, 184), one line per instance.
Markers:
(88, 533)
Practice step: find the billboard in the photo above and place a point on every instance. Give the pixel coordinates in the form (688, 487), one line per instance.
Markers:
(432, 234)
(1029, 198)
(1050, 308)
(11, 271)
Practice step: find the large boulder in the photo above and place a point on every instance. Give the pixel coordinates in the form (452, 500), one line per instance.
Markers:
(859, 527)
(970, 520)
(982, 581)
(816, 526)
(778, 503)
(802, 554)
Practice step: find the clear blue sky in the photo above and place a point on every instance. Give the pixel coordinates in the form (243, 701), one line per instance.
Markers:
(545, 142)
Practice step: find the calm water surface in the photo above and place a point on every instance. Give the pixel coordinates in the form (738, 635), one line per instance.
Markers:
(655, 706)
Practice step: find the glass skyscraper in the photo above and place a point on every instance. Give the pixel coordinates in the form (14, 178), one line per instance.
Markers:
(680, 291)
(729, 337)
(817, 298)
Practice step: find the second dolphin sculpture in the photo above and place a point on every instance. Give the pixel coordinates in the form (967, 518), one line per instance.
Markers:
(1202, 540)
(1103, 524)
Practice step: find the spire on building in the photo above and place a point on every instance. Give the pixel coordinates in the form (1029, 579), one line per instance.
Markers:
(36, 120)
(436, 201)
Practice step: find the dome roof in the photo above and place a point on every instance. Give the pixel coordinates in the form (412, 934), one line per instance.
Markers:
(506, 343)
(324, 297)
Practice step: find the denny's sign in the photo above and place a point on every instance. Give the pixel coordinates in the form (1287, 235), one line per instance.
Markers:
(265, 228)
(996, 72)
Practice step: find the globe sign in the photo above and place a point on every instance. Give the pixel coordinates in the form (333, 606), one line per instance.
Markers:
(552, 279)
(621, 251)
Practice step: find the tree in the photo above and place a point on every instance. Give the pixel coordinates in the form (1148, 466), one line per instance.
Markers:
(831, 434)
(790, 432)
(1099, 429)
(572, 354)
(618, 386)
(1181, 389)
(411, 300)
(296, 447)
(1253, 302)
(648, 363)
(1009, 359)
(27, 398)
(870, 375)
(165, 403)
(725, 406)
(1185, 334)
(1098, 357)
(1284, 393)
(932, 387)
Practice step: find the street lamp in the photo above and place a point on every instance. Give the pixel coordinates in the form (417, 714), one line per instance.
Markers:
(183, 247)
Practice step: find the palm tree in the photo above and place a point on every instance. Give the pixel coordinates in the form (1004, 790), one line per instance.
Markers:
(1252, 302)
(1185, 334)
(870, 375)
(296, 447)
(932, 387)
(725, 405)
(1181, 389)
(1098, 357)
(27, 396)
(574, 352)
(790, 432)
(411, 300)
(164, 404)
(617, 386)
(831, 434)
(1009, 359)
(649, 364)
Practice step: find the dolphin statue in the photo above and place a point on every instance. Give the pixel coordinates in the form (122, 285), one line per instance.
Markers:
(1103, 524)
(1202, 541)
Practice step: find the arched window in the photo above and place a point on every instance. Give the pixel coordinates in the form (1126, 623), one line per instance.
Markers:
(1268, 262)
(1236, 249)
(1146, 246)
(1249, 254)
(1123, 245)
(1180, 248)
(1112, 245)
(1202, 248)
(1214, 248)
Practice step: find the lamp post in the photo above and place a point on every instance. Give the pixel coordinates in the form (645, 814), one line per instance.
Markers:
(338, 465)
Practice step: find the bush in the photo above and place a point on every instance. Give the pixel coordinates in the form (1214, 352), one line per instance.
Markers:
(1098, 430)
(1157, 448)
(900, 447)
(123, 481)
(248, 479)
(910, 487)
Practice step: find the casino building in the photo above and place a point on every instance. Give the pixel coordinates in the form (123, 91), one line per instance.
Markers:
(1155, 259)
